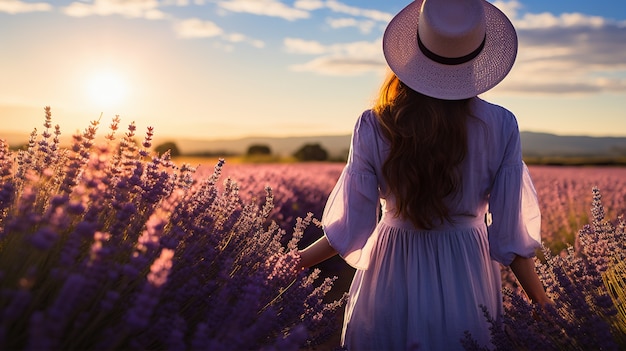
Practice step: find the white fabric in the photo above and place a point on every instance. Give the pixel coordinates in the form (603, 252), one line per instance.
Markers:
(417, 287)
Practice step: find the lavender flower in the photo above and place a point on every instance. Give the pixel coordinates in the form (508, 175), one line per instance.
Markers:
(587, 287)
(103, 248)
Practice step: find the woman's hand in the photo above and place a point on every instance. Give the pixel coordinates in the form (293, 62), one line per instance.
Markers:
(315, 253)
(524, 270)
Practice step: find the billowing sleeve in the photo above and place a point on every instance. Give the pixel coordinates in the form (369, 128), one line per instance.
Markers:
(351, 213)
(514, 207)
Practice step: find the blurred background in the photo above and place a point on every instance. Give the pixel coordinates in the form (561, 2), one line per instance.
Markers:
(206, 69)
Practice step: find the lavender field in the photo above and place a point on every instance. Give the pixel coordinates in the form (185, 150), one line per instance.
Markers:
(570, 197)
(565, 193)
(109, 246)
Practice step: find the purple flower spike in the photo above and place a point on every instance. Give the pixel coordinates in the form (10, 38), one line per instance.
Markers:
(103, 247)
(44, 238)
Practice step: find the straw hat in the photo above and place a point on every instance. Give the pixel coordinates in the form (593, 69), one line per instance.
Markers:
(450, 49)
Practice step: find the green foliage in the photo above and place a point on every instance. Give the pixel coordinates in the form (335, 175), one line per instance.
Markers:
(168, 146)
(311, 152)
(258, 149)
(576, 160)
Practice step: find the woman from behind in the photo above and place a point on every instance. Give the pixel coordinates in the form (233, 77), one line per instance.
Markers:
(444, 168)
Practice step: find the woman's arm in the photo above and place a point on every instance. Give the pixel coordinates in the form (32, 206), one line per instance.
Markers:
(317, 252)
(524, 270)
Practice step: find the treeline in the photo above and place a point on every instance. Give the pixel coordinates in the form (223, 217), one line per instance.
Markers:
(255, 152)
(316, 152)
(307, 152)
(575, 160)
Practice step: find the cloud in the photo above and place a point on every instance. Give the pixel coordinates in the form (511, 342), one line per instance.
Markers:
(128, 8)
(197, 28)
(548, 20)
(375, 15)
(15, 6)
(351, 58)
(336, 59)
(566, 20)
(569, 53)
(360, 48)
(301, 9)
(175, 2)
(364, 27)
(565, 61)
(301, 46)
(338, 7)
(272, 8)
(572, 88)
(510, 8)
(309, 5)
(339, 66)
(602, 47)
(241, 38)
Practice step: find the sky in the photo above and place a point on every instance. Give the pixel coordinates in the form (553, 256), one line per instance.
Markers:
(222, 69)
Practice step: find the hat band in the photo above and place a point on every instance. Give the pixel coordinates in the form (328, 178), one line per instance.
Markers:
(450, 60)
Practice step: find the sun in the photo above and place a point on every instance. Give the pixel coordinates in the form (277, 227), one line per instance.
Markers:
(107, 88)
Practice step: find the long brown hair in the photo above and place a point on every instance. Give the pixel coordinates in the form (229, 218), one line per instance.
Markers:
(428, 138)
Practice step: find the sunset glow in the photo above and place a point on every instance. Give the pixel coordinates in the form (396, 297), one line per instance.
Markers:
(237, 68)
(107, 88)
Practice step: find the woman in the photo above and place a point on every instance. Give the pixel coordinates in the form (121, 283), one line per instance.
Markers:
(445, 170)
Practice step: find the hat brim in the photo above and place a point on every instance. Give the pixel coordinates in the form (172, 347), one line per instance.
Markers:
(450, 82)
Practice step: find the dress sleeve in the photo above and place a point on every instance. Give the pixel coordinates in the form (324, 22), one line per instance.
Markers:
(351, 213)
(514, 208)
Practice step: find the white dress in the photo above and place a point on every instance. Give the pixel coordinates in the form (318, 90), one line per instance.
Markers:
(422, 289)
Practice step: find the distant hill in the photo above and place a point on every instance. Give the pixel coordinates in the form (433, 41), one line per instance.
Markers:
(14, 139)
(544, 144)
(533, 144)
(336, 145)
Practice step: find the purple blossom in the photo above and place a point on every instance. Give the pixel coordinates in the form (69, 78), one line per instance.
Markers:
(168, 257)
(37, 329)
(59, 312)
(89, 231)
(44, 238)
(579, 281)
